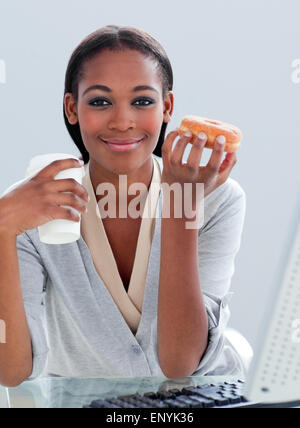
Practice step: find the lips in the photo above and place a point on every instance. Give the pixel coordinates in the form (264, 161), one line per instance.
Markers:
(122, 142)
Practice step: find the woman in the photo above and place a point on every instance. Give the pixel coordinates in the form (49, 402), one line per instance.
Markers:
(133, 296)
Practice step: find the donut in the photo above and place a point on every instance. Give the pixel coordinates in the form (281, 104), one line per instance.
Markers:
(212, 128)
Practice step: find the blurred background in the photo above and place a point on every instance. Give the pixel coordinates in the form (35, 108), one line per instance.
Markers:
(236, 61)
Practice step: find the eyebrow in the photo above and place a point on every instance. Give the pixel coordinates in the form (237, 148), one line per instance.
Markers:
(107, 89)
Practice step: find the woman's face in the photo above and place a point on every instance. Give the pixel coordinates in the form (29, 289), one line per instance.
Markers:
(120, 112)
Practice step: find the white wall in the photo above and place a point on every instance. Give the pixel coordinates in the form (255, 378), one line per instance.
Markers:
(231, 60)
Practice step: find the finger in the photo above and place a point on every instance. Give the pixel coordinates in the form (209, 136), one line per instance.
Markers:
(69, 185)
(197, 150)
(64, 213)
(180, 147)
(166, 148)
(55, 167)
(228, 163)
(70, 200)
(217, 154)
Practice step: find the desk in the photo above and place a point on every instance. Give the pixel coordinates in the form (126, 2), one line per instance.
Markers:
(59, 392)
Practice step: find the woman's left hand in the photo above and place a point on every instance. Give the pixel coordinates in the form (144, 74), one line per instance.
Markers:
(212, 175)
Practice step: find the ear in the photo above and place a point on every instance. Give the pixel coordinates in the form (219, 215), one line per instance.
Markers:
(70, 108)
(168, 106)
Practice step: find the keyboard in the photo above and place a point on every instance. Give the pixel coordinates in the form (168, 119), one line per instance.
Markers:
(224, 394)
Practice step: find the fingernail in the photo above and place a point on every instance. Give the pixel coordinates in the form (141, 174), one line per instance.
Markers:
(202, 136)
(187, 134)
(81, 162)
(221, 140)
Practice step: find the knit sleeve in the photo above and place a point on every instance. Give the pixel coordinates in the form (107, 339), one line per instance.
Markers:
(33, 281)
(218, 244)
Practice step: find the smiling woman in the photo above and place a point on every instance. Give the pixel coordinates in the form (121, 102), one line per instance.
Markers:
(134, 296)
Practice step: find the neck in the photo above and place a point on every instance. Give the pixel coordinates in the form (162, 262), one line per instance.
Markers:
(121, 182)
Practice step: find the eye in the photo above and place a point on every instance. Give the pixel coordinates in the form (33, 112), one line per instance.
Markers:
(98, 102)
(92, 102)
(145, 100)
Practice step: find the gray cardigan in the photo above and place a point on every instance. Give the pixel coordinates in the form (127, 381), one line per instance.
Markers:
(78, 331)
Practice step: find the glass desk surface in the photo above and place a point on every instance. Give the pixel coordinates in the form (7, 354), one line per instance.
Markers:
(60, 392)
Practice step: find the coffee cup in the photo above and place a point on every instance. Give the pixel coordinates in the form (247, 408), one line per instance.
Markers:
(58, 231)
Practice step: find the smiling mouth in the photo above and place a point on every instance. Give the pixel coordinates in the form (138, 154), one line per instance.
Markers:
(122, 142)
(122, 145)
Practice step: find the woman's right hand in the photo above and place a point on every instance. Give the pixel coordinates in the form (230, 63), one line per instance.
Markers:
(39, 200)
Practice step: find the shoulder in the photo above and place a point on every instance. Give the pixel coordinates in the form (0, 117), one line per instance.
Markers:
(229, 192)
(226, 204)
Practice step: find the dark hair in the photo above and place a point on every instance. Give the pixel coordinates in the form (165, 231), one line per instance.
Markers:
(115, 38)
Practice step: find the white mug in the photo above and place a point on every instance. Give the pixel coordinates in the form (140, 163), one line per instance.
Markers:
(58, 231)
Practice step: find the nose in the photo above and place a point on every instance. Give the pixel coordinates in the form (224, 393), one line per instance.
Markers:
(121, 119)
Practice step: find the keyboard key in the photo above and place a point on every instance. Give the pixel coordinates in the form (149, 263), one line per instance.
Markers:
(233, 398)
(189, 402)
(190, 390)
(175, 391)
(98, 404)
(230, 384)
(152, 403)
(142, 405)
(130, 395)
(174, 403)
(134, 402)
(165, 394)
(212, 388)
(200, 389)
(218, 399)
(104, 404)
(118, 402)
(152, 395)
(205, 402)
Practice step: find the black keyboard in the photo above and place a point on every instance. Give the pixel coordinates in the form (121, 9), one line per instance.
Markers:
(211, 395)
